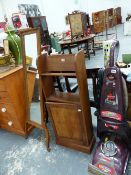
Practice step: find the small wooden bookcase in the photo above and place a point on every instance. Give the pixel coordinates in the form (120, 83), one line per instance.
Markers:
(69, 112)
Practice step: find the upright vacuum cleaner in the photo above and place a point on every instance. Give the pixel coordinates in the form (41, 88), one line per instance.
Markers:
(112, 152)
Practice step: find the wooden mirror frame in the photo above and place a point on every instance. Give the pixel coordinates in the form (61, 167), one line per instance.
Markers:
(22, 34)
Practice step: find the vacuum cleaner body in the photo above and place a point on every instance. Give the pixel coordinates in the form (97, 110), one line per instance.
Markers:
(113, 105)
(112, 152)
(110, 158)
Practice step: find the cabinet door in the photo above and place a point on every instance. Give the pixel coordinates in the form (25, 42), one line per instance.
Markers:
(67, 122)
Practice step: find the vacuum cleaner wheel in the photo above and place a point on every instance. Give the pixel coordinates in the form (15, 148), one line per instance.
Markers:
(109, 148)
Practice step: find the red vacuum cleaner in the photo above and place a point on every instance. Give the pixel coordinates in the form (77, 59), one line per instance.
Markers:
(112, 152)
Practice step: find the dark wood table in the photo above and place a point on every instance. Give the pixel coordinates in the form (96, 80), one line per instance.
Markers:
(83, 40)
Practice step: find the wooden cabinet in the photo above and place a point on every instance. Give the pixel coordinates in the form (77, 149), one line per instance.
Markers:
(13, 109)
(99, 19)
(102, 20)
(40, 21)
(69, 112)
(117, 16)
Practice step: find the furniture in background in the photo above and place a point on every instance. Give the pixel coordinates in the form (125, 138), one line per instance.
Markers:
(40, 21)
(55, 43)
(83, 40)
(109, 18)
(102, 20)
(117, 16)
(69, 112)
(98, 19)
(78, 24)
(87, 18)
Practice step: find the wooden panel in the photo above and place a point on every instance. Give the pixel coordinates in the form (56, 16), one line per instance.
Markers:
(56, 63)
(31, 82)
(4, 97)
(9, 72)
(2, 86)
(48, 86)
(99, 20)
(67, 120)
(64, 97)
(14, 83)
(84, 94)
(10, 122)
(76, 24)
(7, 114)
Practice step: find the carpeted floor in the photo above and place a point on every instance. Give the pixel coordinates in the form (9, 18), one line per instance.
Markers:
(29, 156)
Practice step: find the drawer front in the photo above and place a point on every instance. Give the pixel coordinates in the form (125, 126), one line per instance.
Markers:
(8, 117)
(8, 122)
(6, 110)
(4, 97)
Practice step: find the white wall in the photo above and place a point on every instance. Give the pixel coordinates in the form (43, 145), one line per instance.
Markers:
(9, 7)
(56, 10)
(96, 5)
(126, 8)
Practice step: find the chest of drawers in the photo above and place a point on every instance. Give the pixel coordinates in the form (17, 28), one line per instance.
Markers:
(12, 101)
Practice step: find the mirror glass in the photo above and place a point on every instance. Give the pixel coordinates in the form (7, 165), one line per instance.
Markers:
(31, 54)
(31, 48)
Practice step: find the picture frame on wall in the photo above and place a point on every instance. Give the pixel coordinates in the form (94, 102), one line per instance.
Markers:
(29, 10)
(19, 21)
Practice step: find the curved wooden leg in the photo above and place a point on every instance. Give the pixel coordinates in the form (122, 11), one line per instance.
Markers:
(47, 140)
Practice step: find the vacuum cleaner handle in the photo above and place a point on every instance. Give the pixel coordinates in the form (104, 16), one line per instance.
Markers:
(98, 89)
(114, 50)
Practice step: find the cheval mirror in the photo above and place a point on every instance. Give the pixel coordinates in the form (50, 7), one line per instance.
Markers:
(31, 49)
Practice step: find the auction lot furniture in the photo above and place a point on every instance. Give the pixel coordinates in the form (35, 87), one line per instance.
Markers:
(40, 22)
(35, 119)
(102, 20)
(83, 40)
(78, 24)
(69, 112)
(13, 113)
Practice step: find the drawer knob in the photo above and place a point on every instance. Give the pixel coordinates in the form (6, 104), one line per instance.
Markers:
(10, 123)
(79, 110)
(3, 109)
(62, 59)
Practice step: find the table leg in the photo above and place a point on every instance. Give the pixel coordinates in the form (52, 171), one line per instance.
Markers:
(62, 49)
(69, 49)
(87, 49)
(93, 46)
